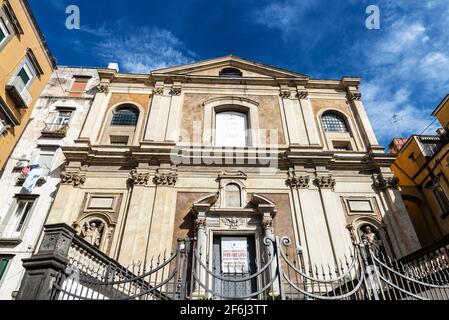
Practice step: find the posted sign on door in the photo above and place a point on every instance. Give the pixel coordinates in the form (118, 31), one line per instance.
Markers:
(234, 254)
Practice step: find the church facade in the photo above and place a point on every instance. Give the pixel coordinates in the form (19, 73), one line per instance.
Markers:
(229, 151)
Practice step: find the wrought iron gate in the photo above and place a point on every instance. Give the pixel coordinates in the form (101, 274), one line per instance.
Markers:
(280, 273)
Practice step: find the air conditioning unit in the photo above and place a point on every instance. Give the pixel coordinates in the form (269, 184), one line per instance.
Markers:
(19, 93)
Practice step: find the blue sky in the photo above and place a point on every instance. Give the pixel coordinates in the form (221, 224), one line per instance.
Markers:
(404, 65)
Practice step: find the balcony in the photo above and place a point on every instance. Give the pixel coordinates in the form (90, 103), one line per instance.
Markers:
(19, 93)
(54, 130)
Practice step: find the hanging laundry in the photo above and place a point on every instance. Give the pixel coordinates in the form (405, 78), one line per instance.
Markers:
(35, 174)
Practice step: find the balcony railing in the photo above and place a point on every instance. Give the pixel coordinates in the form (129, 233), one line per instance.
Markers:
(55, 130)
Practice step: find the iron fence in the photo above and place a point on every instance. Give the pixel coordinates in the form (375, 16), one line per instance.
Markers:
(281, 274)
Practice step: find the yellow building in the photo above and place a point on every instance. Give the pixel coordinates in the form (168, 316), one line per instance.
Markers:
(422, 166)
(26, 64)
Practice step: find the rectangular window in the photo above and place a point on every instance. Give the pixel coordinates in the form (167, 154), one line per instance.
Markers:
(45, 159)
(79, 86)
(17, 222)
(442, 199)
(63, 117)
(25, 74)
(4, 261)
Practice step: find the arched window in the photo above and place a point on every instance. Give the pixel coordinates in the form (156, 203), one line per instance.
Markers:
(230, 72)
(333, 123)
(231, 129)
(232, 196)
(126, 115)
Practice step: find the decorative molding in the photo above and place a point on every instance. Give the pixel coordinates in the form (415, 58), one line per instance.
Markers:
(285, 94)
(295, 181)
(165, 179)
(139, 178)
(267, 224)
(74, 178)
(302, 95)
(352, 234)
(103, 88)
(233, 223)
(200, 223)
(175, 91)
(381, 184)
(325, 182)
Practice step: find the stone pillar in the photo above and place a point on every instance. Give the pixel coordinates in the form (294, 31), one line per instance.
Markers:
(163, 219)
(175, 114)
(296, 130)
(159, 112)
(309, 119)
(298, 184)
(395, 213)
(368, 135)
(42, 269)
(335, 219)
(94, 119)
(267, 225)
(69, 196)
(201, 247)
(138, 218)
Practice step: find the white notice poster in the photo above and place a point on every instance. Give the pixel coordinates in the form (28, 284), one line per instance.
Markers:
(234, 254)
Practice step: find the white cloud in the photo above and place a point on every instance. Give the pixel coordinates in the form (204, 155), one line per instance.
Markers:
(284, 16)
(141, 49)
(407, 70)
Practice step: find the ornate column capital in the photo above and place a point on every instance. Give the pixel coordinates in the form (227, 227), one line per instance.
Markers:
(103, 87)
(285, 94)
(303, 94)
(267, 224)
(158, 91)
(165, 179)
(200, 223)
(74, 178)
(325, 182)
(354, 96)
(139, 178)
(295, 181)
(175, 91)
(381, 184)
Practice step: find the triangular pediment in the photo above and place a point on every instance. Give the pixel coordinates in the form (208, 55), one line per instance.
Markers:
(213, 67)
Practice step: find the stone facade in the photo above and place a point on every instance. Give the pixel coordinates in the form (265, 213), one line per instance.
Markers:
(166, 178)
(56, 121)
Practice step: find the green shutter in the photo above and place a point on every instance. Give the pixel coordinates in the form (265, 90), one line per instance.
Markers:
(24, 75)
(2, 35)
(3, 264)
